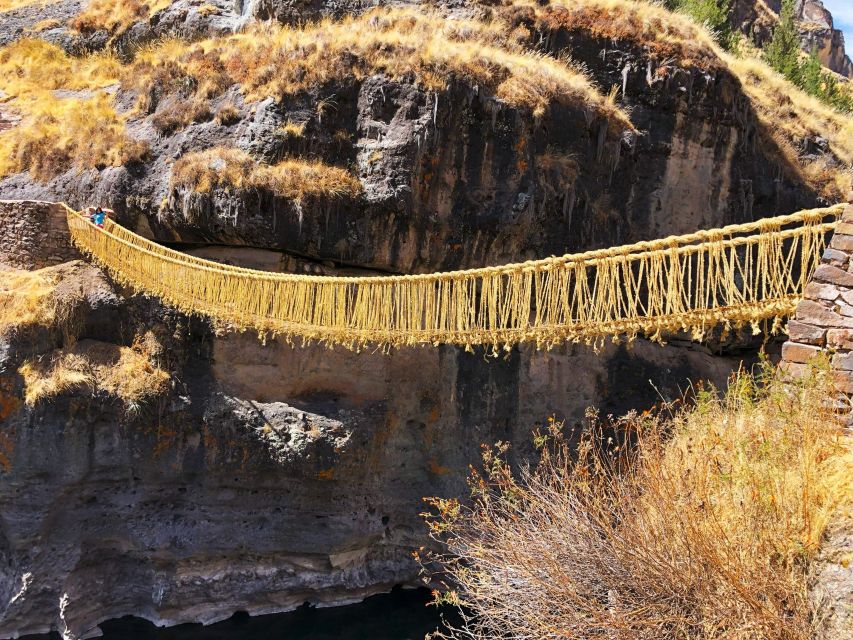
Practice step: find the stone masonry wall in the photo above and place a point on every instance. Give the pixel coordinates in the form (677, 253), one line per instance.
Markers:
(824, 319)
(34, 235)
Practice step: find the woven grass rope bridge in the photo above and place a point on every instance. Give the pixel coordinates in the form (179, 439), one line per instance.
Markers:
(734, 276)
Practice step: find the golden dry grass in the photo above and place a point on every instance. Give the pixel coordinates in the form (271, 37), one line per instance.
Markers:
(9, 5)
(30, 66)
(224, 168)
(64, 134)
(60, 132)
(704, 526)
(26, 298)
(671, 36)
(276, 61)
(116, 16)
(127, 373)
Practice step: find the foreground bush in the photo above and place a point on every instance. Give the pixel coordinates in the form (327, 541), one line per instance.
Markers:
(698, 525)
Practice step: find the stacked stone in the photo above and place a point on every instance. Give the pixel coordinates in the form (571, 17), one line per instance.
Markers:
(34, 235)
(824, 319)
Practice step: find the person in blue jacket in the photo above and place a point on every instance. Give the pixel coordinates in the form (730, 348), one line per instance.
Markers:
(98, 217)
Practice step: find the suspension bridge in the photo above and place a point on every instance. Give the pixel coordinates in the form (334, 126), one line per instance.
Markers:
(734, 276)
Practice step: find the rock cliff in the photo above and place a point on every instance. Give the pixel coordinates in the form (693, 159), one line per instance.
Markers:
(819, 34)
(757, 18)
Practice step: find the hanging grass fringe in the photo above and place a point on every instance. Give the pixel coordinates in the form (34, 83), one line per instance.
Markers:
(733, 276)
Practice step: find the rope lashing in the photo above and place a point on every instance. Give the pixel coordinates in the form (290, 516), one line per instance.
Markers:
(733, 276)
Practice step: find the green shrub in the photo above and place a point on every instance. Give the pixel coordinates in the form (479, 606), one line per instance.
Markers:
(712, 13)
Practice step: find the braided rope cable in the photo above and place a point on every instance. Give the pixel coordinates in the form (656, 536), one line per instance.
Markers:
(736, 275)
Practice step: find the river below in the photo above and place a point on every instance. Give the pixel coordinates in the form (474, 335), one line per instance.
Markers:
(399, 615)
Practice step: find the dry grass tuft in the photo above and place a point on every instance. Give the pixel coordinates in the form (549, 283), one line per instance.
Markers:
(668, 36)
(227, 115)
(180, 114)
(45, 25)
(59, 131)
(116, 16)
(292, 129)
(26, 298)
(9, 5)
(703, 526)
(127, 373)
(275, 61)
(233, 169)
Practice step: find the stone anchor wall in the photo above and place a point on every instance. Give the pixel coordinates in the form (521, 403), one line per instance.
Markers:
(34, 235)
(824, 319)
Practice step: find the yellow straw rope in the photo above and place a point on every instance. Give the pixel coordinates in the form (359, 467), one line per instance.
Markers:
(734, 276)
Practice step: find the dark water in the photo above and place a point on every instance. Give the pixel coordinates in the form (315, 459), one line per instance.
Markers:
(399, 615)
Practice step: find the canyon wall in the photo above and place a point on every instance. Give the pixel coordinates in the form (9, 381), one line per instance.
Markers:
(268, 475)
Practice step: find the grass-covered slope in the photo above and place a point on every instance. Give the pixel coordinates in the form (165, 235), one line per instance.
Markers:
(790, 115)
(71, 116)
(265, 61)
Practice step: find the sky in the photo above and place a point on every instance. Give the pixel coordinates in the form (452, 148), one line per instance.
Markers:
(842, 14)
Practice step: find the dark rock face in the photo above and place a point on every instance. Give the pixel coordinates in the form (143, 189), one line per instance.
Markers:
(272, 475)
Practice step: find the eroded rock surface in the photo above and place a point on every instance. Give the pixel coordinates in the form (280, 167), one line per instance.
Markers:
(268, 474)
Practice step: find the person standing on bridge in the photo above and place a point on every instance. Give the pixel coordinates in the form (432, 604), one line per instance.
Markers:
(99, 217)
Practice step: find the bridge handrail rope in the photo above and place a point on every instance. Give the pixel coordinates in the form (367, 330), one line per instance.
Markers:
(735, 275)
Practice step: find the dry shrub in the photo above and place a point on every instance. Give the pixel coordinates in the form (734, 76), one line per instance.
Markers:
(233, 169)
(26, 298)
(227, 115)
(180, 114)
(704, 526)
(115, 16)
(127, 373)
